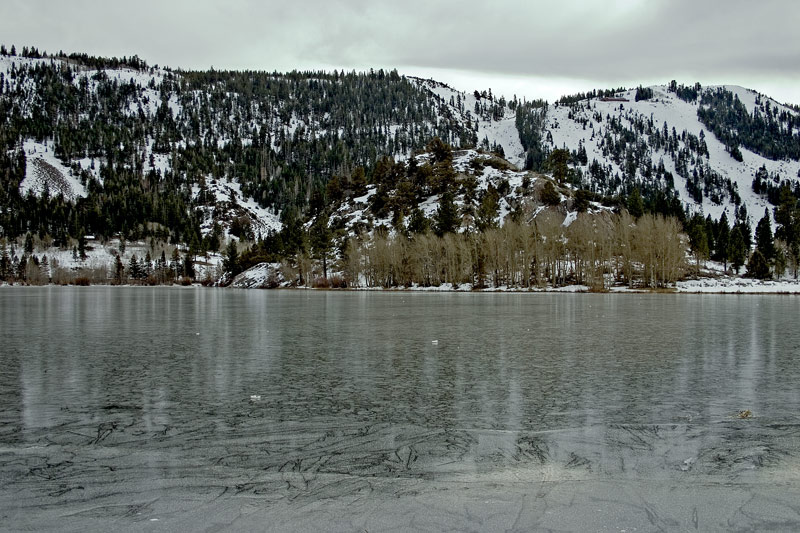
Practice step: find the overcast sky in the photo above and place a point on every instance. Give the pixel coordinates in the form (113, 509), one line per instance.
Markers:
(533, 48)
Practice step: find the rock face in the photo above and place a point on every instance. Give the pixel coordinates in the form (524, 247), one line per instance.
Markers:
(261, 276)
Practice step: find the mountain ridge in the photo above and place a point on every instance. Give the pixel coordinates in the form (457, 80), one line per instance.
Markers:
(199, 158)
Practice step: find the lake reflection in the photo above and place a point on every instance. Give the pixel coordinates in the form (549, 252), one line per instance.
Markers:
(135, 405)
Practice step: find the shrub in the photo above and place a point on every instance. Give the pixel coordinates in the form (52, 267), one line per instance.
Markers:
(338, 282)
(61, 276)
(549, 195)
(321, 283)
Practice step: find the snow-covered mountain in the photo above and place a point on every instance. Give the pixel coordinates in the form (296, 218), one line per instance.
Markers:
(658, 142)
(236, 152)
(596, 124)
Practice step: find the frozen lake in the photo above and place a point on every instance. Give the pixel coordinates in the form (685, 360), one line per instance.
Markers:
(176, 409)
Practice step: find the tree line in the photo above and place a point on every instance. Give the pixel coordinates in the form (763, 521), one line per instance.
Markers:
(594, 250)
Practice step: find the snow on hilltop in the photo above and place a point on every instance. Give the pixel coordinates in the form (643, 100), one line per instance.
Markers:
(584, 124)
(492, 130)
(45, 171)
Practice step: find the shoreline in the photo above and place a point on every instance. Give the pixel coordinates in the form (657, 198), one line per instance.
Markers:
(736, 286)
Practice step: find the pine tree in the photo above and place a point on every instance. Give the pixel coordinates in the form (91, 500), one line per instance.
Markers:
(698, 238)
(358, 182)
(643, 93)
(147, 265)
(22, 268)
(488, 209)
(134, 269)
(758, 266)
(446, 219)
(743, 223)
(722, 241)
(582, 199)
(231, 260)
(82, 247)
(5, 264)
(557, 164)
(321, 241)
(188, 266)
(418, 222)
(45, 267)
(635, 203)
(787, 220)
(176, 267)
(737, 249)
(549, 195)
(119, 270)
(764, 241)
(736, 153)
(161, 268)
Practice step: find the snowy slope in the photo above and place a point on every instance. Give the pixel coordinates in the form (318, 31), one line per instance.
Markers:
(225, 202)
(665, 107)
(44, 171)
(492, 123)
(502, 132)
(146, 100)
(521, 194)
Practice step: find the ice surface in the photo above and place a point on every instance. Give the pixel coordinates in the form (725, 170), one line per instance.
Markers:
(309, 411)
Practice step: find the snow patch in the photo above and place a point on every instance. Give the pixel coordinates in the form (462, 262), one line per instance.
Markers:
(502, 131)
(728, 284)
(228, 202)
(261, 276)
(44, 170)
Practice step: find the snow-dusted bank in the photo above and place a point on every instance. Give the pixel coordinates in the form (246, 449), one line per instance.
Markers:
(730, 285)
(266, 278)
(65, 267)
(735, 285)
(272, 276)
(111, 262)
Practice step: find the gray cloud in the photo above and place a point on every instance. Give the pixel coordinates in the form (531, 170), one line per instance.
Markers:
(612, 43)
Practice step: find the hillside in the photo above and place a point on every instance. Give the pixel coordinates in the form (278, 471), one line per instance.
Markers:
(660, 143)
(138, 131)
(120, 150)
